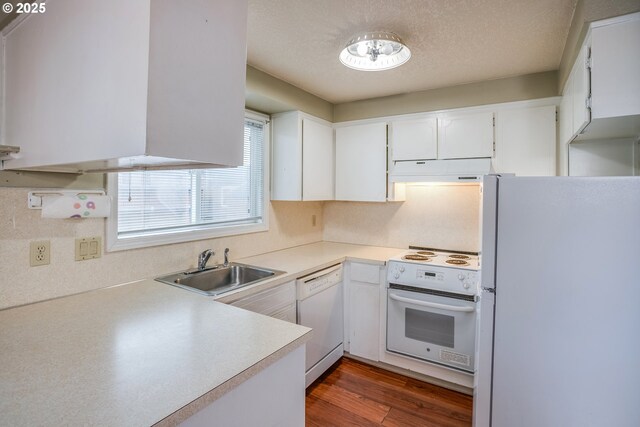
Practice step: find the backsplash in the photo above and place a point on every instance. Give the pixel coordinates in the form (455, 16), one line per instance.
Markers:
(290, 225)
(438, 216)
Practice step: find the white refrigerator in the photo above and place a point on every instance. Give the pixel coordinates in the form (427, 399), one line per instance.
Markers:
(559, 327)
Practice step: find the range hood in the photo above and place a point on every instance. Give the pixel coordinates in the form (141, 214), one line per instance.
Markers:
(445, 171)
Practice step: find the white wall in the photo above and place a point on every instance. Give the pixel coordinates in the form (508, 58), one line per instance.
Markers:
(614, 157)
(290, 225)
(437, 216)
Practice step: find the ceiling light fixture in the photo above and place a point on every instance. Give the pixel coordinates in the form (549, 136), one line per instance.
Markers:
(375, 51)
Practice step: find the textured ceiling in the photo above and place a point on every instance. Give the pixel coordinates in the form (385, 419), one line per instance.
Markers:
(452, 42)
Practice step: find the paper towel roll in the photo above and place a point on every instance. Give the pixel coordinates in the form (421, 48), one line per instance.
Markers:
(78, 206)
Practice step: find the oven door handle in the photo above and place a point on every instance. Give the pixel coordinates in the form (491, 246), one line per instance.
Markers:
(432, 304)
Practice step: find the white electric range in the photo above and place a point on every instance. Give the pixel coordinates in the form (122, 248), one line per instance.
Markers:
(431, 306)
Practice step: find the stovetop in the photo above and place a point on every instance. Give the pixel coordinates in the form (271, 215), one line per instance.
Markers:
(440, 258)
(432, 269)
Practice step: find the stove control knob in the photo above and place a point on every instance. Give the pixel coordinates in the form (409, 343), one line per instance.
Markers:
(401, 269)
(397, 275)
(460, 276)
(466, 285)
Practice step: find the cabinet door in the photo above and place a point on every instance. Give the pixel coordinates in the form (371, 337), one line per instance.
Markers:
(66, 102)
(363, 314)
(154, 90)
(286, 156)
(414, 139)
(465, 136)
(361, 163)
(317, 161)
(565, 127)
(364, 322)
(616, 67)
(526, 141)
(275, 302)
(581, 90)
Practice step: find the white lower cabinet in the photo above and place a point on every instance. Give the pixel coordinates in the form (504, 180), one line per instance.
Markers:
(364, 282)
(278, 302)
(275, 397)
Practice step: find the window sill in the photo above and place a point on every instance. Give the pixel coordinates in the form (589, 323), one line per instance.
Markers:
(121, 244)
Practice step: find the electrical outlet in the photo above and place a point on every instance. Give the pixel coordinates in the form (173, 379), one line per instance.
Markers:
(40, 253)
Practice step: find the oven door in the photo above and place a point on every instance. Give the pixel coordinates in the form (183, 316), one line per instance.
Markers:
(435, 328)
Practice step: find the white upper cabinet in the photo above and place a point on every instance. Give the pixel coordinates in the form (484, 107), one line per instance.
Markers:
(580, 91)
(95, 85)
(303, 158)
(317, 161)
(361, 162)
(615, 69)
(565, 129)
(526, 141)
(603, 89)
(414, 139)
(465, 136)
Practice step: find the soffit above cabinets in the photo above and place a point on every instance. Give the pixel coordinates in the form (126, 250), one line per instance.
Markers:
(451, 42)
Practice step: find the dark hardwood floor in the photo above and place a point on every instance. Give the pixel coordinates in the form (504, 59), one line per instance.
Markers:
(352, 393)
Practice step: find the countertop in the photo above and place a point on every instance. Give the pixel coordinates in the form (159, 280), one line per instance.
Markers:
(130, 355)
(147, 353)
(299, 261)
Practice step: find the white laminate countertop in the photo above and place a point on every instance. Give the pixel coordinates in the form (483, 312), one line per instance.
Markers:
(130, 355)
(146, 352)
(302, 260)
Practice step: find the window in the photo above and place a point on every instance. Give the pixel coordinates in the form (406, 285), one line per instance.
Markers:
(169, 206)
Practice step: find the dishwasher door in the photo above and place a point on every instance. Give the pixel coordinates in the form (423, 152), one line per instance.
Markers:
(322, 308)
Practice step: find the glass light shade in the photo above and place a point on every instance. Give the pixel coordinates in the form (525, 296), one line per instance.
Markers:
(375, 51)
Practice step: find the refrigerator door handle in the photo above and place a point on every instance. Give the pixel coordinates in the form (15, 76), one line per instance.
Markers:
(431, 304)
(490, 290)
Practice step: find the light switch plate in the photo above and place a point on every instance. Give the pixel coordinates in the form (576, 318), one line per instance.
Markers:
(40, 253)
(88, 248)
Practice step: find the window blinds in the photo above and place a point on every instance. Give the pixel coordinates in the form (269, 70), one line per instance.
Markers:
(158, 202)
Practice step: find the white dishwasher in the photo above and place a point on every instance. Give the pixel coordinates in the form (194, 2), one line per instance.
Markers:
(321, 307)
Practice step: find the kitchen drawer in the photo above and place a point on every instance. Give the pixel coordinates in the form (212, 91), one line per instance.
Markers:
(367, 273)
(270, 301)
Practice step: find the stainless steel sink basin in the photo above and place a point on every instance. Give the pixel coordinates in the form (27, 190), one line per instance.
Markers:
(220, 279)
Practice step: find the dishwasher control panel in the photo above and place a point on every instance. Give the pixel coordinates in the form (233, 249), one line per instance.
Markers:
(318, 281)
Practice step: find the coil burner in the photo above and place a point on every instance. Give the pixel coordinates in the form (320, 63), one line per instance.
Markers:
(457, 262)
(427, 253)
(416, 257)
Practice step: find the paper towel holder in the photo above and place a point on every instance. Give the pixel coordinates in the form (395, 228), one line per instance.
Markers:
(34, 198)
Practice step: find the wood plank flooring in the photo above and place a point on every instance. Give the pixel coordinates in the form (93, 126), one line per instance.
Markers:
(352, 393)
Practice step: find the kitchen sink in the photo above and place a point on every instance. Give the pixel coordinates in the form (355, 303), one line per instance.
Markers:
(220, 279)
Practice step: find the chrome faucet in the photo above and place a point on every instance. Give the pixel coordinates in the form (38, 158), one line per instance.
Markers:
(226, 258)
(203, 258)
